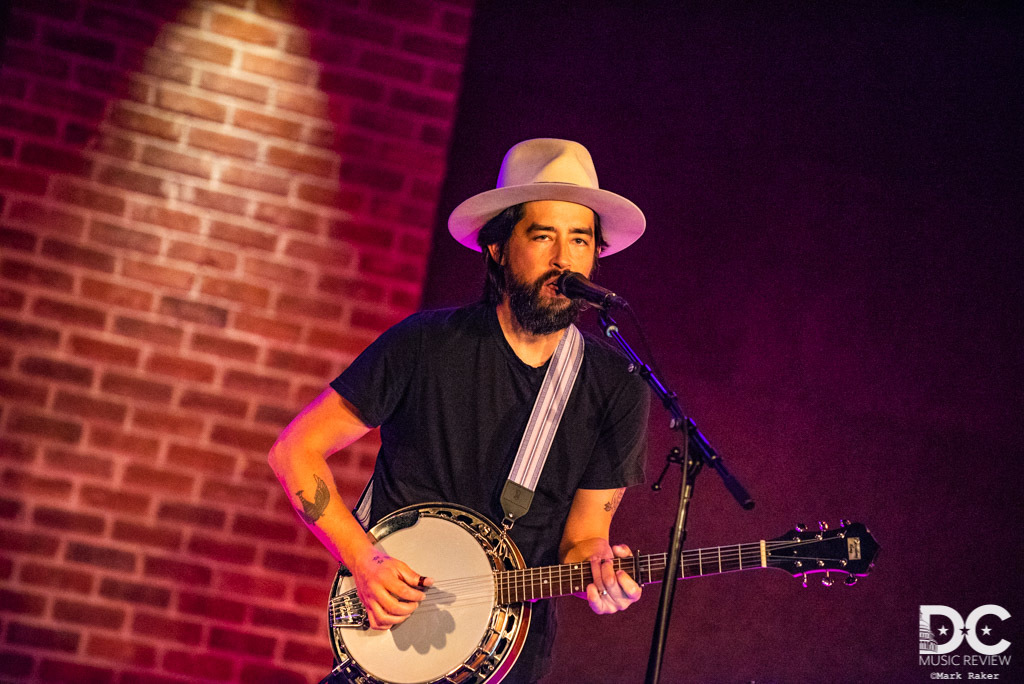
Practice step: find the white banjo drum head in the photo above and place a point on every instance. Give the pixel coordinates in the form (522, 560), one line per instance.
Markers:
(449, 624)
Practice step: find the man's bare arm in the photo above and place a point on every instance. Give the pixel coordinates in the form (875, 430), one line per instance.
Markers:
(299, 459)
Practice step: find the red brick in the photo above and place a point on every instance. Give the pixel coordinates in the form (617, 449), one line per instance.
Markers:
(445, 81)
(136, 388)
(134, 181)
(166, 69)
(55, 159)
(69, 521)
(356, 25)
(270, 675)
(175, 161)
(244, 237)
(200, 516)
(268, 125)
(123, 238)
(295, 71)
(21, 180)
(236, 87)
(34, 544)
(23, 392)
(284, 620)
(101, 556)
(121, 651)
(330, 196)
(114, 500)
(17, 239)
(392, 268)
(123, 442)
(250, 585)
(220, 201)
(232, 349)
(257, 470)
(104, 351)
(41, 637)
(247, 643)
(135, 592)
(227, 493)
(194, 458)
(319, 165)
(316, 366)
(147, 535)
(331, 255)
(348, 85)
(195, 312)
(313, 595)
(438, 107)
(158, 275)
(30, 213)
(223, 144)
(200, 666)
(178, 367)
(247, 178)
(250, 32)
(81, 464)
(362, 233)
(28, 122)
(112, 23)
(435, 135)
(316, 654)
(251, 440)
(107, 143)
(268, 327)
(181, 631)
(60, 671)
(56, 370)
(351, 288)
(440, 49)
(211, 403)
(88, 198)
(78, 256)
(372, 176)
(149, 332)
(207, 51)
(309, 308)
(390, 65)
(264, 528)
(140, 122)
(166, 218)
(184, 574)
(287, 217)
(295, 564)
(138, 475)
(21, 603)
(383, 121)
(166, 423)
(41, 426)
(90, 408)
(35, 485)
(203, 256)
(236, 291)
(347, 343)
(17, 450)
(30, 274)
(80, 43)
(303, 102)
(257, 384)
(95, 615)
(211, 606)
(10, 299)
(60, 578)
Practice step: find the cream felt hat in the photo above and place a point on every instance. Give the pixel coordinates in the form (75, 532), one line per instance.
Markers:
(549, 169)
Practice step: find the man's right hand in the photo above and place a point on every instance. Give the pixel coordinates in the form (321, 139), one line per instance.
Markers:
(388, 588)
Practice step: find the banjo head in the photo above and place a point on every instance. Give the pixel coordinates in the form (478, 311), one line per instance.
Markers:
(458, 633)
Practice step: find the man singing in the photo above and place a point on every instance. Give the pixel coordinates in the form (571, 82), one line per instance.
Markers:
(453, 390)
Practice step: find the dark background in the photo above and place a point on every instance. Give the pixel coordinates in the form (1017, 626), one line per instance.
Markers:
(831, 282)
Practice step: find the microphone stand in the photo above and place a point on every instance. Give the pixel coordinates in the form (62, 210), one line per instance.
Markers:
(696, 453)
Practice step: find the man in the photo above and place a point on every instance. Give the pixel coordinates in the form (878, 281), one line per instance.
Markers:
(452, 391)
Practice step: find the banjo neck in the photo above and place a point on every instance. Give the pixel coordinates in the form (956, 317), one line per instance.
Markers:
(533, 584)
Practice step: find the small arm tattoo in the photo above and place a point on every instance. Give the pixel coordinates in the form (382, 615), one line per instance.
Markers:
(312, 510)
(612, 506)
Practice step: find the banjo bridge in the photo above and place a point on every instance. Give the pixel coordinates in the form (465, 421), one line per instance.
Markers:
(348, 611)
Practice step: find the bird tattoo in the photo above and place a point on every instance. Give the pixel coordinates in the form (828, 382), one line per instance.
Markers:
(312, 510)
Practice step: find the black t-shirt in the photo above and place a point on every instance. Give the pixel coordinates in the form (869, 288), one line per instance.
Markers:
(452, 399)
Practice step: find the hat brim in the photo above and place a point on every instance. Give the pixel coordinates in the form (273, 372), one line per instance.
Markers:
(622, 222)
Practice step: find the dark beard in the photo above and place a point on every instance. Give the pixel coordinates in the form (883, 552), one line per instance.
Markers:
(537, 315)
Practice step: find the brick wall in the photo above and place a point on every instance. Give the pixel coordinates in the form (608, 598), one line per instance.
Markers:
(206, 209)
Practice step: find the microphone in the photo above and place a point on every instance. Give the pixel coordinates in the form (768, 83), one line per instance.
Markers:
(576, 286)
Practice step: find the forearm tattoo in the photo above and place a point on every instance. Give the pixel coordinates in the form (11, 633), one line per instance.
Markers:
(613, 505)
(312, 510)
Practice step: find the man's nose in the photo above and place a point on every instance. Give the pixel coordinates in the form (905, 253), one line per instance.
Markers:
(561, 259)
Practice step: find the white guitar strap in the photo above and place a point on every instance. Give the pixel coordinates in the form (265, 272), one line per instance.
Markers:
(548, 408)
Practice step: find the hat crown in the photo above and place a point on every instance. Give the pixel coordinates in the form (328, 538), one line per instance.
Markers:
(547, 160)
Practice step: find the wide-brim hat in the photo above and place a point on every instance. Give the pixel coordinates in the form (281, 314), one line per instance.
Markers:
(549, 169)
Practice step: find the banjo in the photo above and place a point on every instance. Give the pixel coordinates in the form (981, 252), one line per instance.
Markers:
(472, 624)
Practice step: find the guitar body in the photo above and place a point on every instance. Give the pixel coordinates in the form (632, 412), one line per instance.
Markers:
(460, 633)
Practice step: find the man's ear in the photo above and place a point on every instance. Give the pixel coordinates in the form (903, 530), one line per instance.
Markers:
(496, 253)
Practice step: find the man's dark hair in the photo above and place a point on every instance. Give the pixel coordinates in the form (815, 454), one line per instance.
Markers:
(498, 231)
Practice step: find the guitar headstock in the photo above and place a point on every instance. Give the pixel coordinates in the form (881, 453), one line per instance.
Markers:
(849, 550)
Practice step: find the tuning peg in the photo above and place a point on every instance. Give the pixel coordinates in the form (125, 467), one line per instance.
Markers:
(822, 525)
(845, 522)
(827, 580)
(800, 527)
(850, 581)
(804, 576)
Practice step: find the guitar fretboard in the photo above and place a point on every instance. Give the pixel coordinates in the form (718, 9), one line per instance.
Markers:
(532, 584)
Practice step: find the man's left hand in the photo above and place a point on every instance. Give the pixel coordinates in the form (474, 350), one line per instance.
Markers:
(611, 591)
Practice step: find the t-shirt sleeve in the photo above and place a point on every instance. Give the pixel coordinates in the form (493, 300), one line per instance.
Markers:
(378, 378)
(620, 456)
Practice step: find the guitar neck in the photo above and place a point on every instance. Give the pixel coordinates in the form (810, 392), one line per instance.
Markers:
(532, 584)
